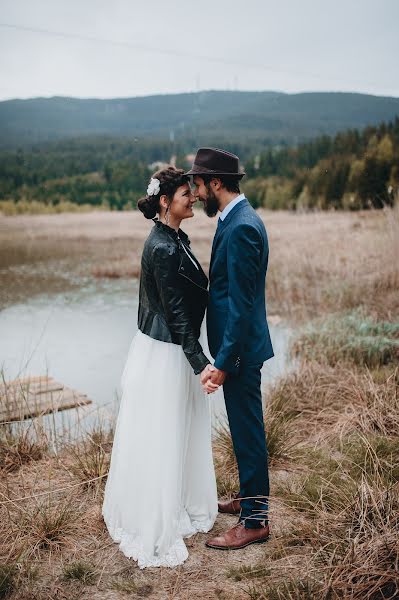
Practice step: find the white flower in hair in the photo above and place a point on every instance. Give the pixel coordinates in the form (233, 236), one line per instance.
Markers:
(153, 187)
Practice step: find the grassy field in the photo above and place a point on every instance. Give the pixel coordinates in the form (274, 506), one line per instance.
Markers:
(319, 262)
(332, 427)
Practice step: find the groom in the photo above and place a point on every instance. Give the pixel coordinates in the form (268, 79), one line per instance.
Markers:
(238, 335)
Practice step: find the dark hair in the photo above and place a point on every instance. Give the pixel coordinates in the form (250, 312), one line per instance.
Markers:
(230, 182)
(170, 180)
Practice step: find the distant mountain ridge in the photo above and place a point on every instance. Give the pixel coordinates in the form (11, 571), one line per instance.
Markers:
(201, 117)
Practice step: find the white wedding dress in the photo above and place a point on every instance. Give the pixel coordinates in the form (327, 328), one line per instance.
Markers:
(161, 485)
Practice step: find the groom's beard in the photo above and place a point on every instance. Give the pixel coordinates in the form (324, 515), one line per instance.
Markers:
(211, 205)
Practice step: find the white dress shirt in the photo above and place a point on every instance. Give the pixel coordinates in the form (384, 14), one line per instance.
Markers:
(230, 205)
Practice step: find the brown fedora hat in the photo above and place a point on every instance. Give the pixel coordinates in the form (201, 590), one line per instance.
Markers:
(213, 161)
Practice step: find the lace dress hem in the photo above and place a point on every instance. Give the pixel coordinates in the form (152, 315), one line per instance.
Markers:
(132, 546)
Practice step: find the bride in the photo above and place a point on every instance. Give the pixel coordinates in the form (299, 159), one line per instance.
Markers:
(161, 484)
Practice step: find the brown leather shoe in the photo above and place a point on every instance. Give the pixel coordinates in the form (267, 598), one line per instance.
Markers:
(239, 537)
(230, 507)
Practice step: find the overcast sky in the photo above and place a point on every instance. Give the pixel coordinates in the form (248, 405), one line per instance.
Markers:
(122, 48)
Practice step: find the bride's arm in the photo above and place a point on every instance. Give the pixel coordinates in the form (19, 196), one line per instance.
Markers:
(165, 260)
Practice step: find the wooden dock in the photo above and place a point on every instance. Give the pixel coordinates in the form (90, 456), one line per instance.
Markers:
(34, 396)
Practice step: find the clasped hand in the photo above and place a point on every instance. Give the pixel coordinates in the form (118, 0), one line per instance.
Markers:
(212, 378)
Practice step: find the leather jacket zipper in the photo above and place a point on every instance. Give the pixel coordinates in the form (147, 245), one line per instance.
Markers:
(179, 241)
(180, 266)
(194, 282)
(186, 251)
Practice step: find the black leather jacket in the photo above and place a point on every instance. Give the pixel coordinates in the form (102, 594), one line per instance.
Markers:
(173, 292)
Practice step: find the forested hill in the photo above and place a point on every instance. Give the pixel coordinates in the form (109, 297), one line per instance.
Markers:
(355, 169)
(352, 170)
(193, 119)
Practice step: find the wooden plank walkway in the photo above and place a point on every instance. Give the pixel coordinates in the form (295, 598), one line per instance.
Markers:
(33, 396)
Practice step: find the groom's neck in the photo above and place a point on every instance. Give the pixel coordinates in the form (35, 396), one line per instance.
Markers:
(225, 198)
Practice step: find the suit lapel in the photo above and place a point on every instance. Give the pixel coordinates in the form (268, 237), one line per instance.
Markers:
(223, 224)
(217, 233)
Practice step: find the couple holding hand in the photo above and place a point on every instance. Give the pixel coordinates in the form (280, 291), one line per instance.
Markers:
(161, 484)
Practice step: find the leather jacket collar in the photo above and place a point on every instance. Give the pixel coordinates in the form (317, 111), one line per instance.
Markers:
(171, 231)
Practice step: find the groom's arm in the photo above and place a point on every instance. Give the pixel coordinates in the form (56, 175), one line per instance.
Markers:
(243, 263)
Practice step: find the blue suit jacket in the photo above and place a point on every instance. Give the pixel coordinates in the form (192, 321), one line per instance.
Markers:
(238, 332)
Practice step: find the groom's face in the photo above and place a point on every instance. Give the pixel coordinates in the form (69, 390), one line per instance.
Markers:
(204, 193)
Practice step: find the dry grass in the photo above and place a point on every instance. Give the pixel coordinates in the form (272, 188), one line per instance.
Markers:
(319, 262)
(334, 523)
(54, 543)
(339, 488)
(281, 443)
(335, 502)
(225, 461)
(322, 263)
(79, 570)
(17, 449)
(49, 525)
(343, 487)
(7, 575)
(9, 208)
(332, 401)
(89, 458)
(353, 338)
(332, 427)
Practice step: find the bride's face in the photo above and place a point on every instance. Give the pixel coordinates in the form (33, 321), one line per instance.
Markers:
(181, 206)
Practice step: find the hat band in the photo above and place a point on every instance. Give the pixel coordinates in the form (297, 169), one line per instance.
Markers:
(201, 169)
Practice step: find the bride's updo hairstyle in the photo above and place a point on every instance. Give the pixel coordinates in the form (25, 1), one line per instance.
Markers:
(170, 179)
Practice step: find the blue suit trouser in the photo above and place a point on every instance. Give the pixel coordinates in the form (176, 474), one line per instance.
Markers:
(243, 398)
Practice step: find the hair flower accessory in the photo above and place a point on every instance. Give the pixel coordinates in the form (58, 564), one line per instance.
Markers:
(153, 187)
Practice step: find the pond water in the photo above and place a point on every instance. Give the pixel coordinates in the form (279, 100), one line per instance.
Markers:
(81, 337)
